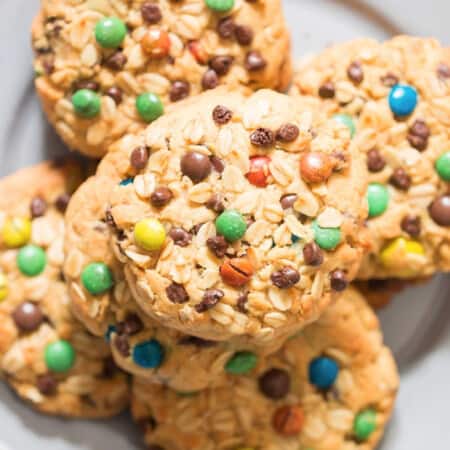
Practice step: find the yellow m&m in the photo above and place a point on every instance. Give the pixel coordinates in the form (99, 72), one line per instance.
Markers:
(16, 232)
(149, 234)
(3, 287)
(398, 255)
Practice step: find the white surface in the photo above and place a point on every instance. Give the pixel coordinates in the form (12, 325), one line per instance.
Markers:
(417, 324)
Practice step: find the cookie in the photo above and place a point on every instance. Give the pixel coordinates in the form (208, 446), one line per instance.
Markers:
(140, 345)
(395, 97)
(238, 216)
(332, 387)
(108, 68)
(46, 356)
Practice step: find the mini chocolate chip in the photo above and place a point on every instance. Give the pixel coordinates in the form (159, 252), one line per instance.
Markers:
(262, 137)
(176, 293)
(122, 345)
(327, 90)
(254, 61)
(338, 280)
(312, 254)
(443, 71)
(61, 202)
(86, 84)
(46, 384)
(198, 342)
(148, 424)
(48, 63)
(275, 383)
(355, 72)
(131, 325)
(440, 210)
(218, 245)
(116, 94)
(116, 61)
(28, 316)
(180, 236)
(418, 135)
(375, 161)
(161, 196)
(139, 157)
(221, 114)
(196, 228)
(241, 303)
(210, 80)
(285, 278)
(180, 89)
(38, 206)
(225, 28)
(151, 13)
(244, 34)
(400, 179)
(390, 80)
(217, 163)
(411, 225)
(195, 165)
(288, 132)
(109, 367)
(221, 64)
(210, 299)
(109, 219)
(215, 203)
(288, 200)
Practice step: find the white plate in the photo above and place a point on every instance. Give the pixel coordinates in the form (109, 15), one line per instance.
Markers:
(416, 325)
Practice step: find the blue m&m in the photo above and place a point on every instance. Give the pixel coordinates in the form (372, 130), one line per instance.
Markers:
(403, 100)
(148, 354)
(323, 372)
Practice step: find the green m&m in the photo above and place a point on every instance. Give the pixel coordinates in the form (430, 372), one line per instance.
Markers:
(326, 238)
(442, 166)
(97, 278)
(377, 198)
(364, 424)
(220, 5)
(86, 103)
(149, 107)
(231, 225)
(31, 260)
(110, 32)
(346, 120)
(241, 362)
(59, 356)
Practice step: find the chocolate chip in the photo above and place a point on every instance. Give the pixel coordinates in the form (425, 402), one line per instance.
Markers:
(210, 80)
(285, 278)
(262, 137)
(218, 245)
(418, 135)
(116, 61)
(375, 161)
(411, 225)
(327, 90)
(109, 367)
(161, 196)
(86, 84)
(131, 325)
(151, 13)
(122, 345)
(196, 228)
(225, 28)
(180, 236)
(275, 383)
(288, 200)
(180, 89)
(38, 206)
(198, 342)
(355, 72)
(177, 293)
(139, 157)
(440, 210)
(28, 316)
(288, 132)
(210, 299)
(400, 179)
(116, 94)
(443, 71)
(61, 202)
(390, 80)
(221, 114)
(312, 254)
(338, 280)
(241, 303)
(215, 203)
(221, 64)
(46, 384)
(244, 34)
(196, 166)
(254, 61)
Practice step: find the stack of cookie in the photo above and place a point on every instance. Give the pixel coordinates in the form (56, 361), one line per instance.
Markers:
(211, 253)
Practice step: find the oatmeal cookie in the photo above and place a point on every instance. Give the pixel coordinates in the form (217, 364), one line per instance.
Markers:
(105, 68)
(239, 216)
(395, 98)
(332, 387)
(46, 356)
